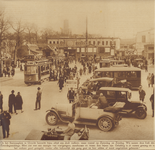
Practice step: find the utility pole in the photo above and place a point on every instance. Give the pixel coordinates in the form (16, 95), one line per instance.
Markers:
(86, 37)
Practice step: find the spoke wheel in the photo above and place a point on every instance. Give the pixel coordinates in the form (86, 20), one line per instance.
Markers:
(140, 113)
(105, 124)
(51, 118)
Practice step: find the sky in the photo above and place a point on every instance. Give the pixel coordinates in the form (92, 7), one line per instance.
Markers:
(114, 18)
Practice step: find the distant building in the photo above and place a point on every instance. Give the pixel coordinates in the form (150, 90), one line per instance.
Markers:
(66, 30)
(94, 46)
(144, 38)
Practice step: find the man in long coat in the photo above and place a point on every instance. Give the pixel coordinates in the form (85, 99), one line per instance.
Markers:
(12, 102)
(5, 120)
(38, 99)
(18, 102)
(61, 83)
(1, 101)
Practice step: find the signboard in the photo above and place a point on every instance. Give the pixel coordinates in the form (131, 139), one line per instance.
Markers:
(71, 83)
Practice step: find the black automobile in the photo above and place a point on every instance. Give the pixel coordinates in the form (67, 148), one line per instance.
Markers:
(97, 83)
(120, 98)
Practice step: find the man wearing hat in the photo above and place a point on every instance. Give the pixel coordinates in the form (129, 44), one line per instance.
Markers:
(38, 99)
(1, 101)
(12, 102)
(141, 94)
(5, 122)
(70, 95)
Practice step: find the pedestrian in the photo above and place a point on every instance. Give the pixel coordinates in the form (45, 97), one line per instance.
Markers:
(152, 103)
(152, 79)
(141, 94)
(81, 71)
(18, 102)
(1, 102)
(5, 122)
(12, 72)
(71, 95)
(5, 71)
(70, 130)
(149, 79)
(102, 102)
(12, 102)
(8, 71)
(61, 83)
(38, 99)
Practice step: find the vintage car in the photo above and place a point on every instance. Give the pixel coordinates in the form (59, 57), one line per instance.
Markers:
(83, 115)
(121, 98)
(139, 63)
(95, 84)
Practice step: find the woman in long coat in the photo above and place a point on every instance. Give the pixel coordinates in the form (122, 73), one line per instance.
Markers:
(18, 102)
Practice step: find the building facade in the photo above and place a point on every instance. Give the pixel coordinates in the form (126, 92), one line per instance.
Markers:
(92, 46)
(143, 38)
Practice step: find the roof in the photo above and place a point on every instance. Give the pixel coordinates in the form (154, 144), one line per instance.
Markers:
(34, 48)
(118, 69)
(115, 89)
(102, 79)
(105, 60)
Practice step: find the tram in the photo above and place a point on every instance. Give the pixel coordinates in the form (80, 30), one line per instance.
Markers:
(36, 72)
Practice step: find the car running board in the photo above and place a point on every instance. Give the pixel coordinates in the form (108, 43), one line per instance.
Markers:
(84, 123)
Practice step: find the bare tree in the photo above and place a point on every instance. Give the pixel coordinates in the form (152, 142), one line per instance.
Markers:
(36, 33)
(19, 29)
(29, 28)
(4, 26)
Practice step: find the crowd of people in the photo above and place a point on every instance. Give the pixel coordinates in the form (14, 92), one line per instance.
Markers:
(62, 72)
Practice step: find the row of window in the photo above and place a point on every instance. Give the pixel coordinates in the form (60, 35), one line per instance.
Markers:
(90, 42)
(115, 74)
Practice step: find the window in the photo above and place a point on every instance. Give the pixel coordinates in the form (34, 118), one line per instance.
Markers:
(82, 49)
(53, 42)
(94, 42)
(143, 39)
(102, 42)
(57, 42)
(106, 42)
(90, 50)
(89, 42)
(101, 49)
(110, 42)
(98, 42)
(50, 42)
(111, 93)
(78, 50)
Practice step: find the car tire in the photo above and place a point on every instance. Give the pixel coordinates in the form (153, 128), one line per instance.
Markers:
(105, 124)
(140, 113)
(51, 118)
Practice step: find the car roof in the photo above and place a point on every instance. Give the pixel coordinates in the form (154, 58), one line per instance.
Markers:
(118, 69)
(115, 89)
(102, 79)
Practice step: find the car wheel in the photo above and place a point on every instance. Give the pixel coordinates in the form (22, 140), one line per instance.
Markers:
(105, 124)
(51, 118)
(140, 113)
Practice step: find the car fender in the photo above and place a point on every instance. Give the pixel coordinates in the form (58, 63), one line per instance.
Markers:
(55, 111)
(108, 116)
(142, 106)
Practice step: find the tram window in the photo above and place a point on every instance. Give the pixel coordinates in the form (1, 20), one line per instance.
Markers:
(116, 74)
(128, 73)
(133, 74)
(138, 74)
